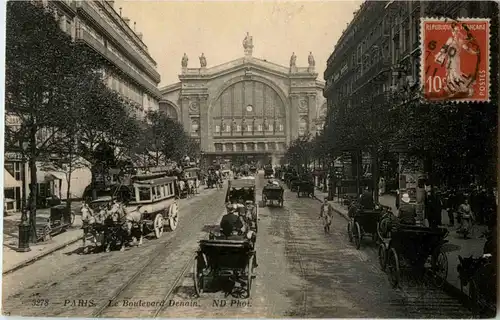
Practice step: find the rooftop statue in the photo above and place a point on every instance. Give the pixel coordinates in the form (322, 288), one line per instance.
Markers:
(248, 44)
(310, 59)
(184, 61)
(293, 60)
(203, 60)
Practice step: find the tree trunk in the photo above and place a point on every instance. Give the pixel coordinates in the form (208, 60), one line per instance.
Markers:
(33, 182)
(32, 199)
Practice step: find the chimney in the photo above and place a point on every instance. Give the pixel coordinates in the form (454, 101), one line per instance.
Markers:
(127, 20)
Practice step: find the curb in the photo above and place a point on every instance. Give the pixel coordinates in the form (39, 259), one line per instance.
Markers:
(40, 256)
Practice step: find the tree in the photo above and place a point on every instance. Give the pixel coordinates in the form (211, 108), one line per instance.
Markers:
(165, 139)
(39, 63)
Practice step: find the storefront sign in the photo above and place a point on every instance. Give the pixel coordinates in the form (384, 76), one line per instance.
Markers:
(13, 156)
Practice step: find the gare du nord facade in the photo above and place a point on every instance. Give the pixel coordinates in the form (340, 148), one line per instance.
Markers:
(247, 110)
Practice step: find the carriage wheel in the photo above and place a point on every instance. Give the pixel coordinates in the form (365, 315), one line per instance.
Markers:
(349, 231)
(393, 268)
(71, 218)
(382, 256)
(46, 233)
(158, 225)
(357, 235)
(173, 217)
(264, 201)
(439, 263)
(249, 275)
(197, 278)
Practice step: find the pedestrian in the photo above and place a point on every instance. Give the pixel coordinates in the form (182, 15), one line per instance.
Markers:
(326, 214)
(466, 218)
(366, 200)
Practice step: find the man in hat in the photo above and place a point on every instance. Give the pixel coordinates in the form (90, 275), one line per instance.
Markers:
(407, 211)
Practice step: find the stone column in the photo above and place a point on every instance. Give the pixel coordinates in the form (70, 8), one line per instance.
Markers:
(205, 134)
(223, 147)
(293, 119)
(184, 116)
(311, 102)
(234, 146)
(266, 146)
(255, 147)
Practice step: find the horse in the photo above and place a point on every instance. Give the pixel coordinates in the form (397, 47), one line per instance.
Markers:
(191, 186)
(131, 220)
(92, 225)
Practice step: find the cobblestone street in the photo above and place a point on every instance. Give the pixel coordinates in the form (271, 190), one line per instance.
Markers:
(302, 273)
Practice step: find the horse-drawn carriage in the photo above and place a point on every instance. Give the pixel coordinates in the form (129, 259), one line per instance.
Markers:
(364, 221)
(305, 188)
(268, 172)
(415, 248)
(60, 220)
(224, 262)
(189, 183)
(213, 180)
(243, 191)
(252, 169)
(149, 205)
(271, 193)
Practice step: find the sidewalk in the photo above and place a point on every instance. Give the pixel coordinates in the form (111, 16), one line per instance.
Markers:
(12, 260)
(456, 244)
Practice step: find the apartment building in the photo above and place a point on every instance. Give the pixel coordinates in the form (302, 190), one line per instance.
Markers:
(379, 53)
(131, 71)
(379, 50)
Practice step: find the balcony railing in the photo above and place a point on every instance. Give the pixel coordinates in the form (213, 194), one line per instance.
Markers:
(100, 48)
(119, 40)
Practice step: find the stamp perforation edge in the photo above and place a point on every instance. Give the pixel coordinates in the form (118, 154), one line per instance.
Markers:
(422, 64)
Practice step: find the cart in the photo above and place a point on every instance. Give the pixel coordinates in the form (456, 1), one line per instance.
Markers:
(272, 193)
(243, 191)
(410, 248)
(305, 188)
(223, 261)
(60, 220)
(268, 173)
(363, 222)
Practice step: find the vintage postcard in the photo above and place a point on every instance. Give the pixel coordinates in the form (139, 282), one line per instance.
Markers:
(250, 159)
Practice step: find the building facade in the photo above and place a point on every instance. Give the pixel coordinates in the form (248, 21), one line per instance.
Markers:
(379, 51)
(248, 109)
(130, 71)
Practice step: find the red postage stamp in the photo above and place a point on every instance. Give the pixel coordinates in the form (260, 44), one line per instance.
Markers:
(455, 63)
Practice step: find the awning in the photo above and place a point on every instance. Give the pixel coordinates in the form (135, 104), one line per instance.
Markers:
(9, 181)
(44, 176)
(58, 175)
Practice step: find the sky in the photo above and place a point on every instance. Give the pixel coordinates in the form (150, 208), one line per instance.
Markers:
(217, 29)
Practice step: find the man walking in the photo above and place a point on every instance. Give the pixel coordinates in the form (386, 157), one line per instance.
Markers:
(326, 214)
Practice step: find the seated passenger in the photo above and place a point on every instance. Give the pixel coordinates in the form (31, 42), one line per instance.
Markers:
(407, 211)
(231, 222)
(366, 200)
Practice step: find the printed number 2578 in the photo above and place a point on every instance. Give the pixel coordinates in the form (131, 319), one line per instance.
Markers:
(40, 302)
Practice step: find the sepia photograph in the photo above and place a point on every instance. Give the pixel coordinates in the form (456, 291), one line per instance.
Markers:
(250, 159)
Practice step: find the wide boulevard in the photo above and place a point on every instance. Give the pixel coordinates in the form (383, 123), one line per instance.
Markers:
(302, 273)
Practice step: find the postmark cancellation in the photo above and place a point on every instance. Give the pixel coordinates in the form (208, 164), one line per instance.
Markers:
(455, 59)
